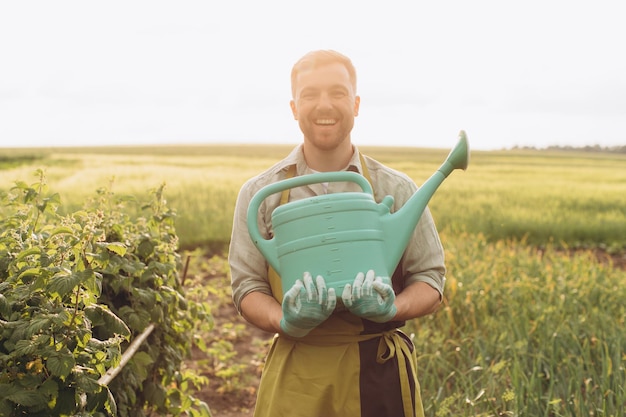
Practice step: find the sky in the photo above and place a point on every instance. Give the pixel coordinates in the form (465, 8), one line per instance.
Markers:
(533, 73)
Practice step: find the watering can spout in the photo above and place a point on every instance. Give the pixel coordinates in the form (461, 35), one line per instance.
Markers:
(459, 155)
(401, 224)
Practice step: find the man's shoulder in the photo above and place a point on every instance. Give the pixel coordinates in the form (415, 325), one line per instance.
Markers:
(272, 174)
(386, 174)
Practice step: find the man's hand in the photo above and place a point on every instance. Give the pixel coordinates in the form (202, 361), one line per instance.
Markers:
(306, 305)
(368, 297)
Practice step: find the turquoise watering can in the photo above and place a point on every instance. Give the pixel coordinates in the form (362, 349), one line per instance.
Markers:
(338, 235)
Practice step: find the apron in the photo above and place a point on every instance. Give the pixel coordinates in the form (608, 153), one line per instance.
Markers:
(345, 367)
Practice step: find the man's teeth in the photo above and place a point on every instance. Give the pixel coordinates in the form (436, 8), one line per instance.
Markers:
(325, 121)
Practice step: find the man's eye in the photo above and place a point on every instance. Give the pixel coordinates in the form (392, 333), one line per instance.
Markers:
(338, 94)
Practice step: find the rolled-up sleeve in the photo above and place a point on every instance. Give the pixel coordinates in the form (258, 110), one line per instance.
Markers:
(423, 259)
(248, 267)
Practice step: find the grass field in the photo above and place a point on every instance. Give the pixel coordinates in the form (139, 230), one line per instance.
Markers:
(571, 199)
(529, 326)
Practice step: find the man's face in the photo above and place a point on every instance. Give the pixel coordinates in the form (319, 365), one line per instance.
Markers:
(325, 105)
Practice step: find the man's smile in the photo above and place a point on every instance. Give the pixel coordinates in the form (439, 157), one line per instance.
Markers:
(325, 122)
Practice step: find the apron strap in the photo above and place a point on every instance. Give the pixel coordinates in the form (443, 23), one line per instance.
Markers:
(366, 172)
(273, 277)
(284, 197)
(392, 344)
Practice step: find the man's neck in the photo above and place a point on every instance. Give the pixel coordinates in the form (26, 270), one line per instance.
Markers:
(328, 160)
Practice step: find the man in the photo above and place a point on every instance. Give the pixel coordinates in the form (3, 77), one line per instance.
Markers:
(334, 354)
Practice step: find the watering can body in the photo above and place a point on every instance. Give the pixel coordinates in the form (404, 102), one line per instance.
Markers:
(339, 235)
(325, 235)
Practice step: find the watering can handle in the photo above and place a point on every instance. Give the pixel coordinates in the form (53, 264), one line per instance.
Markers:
(265, 245)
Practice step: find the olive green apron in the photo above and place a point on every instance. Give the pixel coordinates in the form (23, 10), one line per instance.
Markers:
(345, 367)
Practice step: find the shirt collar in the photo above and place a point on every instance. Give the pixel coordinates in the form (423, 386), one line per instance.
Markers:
(296, 157)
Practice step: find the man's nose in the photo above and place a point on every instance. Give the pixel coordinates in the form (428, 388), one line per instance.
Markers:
(324, 101)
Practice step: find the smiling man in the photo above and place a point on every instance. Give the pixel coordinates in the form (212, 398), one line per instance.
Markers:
(334, 354)
(325, 105)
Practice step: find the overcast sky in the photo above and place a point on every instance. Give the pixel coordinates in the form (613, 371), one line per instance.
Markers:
(527, 73)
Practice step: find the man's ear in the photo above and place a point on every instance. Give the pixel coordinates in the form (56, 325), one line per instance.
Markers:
(294, 110)
(357, 103)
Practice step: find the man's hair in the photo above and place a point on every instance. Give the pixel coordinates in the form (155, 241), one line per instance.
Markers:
(316, 59)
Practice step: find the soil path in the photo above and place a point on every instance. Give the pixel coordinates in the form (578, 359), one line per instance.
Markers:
(236, 349)
(250, 345)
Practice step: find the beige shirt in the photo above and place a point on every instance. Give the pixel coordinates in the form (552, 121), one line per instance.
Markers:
(423, 259)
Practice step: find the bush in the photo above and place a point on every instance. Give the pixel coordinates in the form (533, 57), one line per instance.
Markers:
(74, 292)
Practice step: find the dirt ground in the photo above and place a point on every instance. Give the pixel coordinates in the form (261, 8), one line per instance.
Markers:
(236, 349)
(251, 345)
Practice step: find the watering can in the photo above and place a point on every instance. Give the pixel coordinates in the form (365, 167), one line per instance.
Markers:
(339, 235)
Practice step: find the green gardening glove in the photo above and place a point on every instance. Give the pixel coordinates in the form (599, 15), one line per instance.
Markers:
(306, 305)
(370, 298)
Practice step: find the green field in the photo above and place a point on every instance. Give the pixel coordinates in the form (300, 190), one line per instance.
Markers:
(533, 321)
(567, 198)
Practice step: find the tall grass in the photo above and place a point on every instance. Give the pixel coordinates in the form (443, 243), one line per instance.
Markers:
(524, 332)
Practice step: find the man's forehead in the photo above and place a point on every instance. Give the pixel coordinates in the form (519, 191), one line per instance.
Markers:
(332, 73)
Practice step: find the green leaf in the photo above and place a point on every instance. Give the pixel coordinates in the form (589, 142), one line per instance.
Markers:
(24, 348)
(93, 284)
(28, 252)
(49, 388)
(155, 394)
(135, 322)
(139, 364)
(6, 407)
(61, 364)
(142, 359)
(20, 185)
(30, 272)
(147, 297)
(7, 389)
(82, 337)
(101, 316)
(111, 405)
(145, 248)
(87, 383)
(96, 400)
(37, 324)
(116, 247)
(62, 283)
(27, 398)
(114, 323)
(65, 402)
(61, 230)
(5, 306)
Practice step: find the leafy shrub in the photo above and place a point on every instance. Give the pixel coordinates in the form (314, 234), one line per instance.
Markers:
(74, 291)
